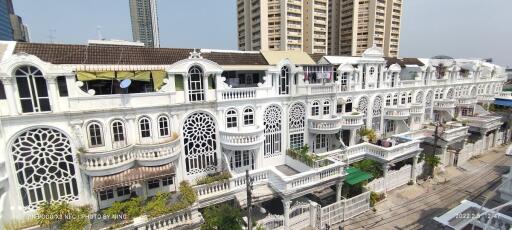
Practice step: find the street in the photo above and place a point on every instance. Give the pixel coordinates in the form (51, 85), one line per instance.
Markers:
(413, 207)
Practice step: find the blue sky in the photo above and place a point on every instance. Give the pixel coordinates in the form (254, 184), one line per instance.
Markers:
(458, 28)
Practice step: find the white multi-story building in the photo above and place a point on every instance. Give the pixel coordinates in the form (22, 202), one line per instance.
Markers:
(69, 132)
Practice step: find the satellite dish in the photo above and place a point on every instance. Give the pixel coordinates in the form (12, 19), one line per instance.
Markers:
(125, 83)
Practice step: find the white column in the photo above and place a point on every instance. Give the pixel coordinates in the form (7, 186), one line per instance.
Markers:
(286, 213)
(185, 87)
(385, 168)
(131, 131)
(205, 86)
(352, 141)
(10, 94)
(77, 131)
(338, 191)
(413, 171)
(53, 92)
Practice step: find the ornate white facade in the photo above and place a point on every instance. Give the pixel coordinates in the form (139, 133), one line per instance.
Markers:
(62, 138)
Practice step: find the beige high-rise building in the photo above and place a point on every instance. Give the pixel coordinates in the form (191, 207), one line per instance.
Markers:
(283, 25)
(355, 24)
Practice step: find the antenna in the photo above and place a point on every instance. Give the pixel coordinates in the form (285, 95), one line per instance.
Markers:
(51, 35)
(98, 32)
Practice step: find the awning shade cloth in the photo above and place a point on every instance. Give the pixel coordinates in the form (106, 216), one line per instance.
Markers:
(355, 176)
(131, 176)
(158, 76)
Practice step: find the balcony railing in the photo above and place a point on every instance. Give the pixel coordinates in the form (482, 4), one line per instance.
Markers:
(444, 104)
(397, 113)
(454, 133)
(483, 122)
(417, 109)
(311, 89)
(118, 160)
(329, 125)
(351, 121)
(245, 139)
(466, 101)
(487, 98)
(238, 94)
(189, 218)
(359, 151)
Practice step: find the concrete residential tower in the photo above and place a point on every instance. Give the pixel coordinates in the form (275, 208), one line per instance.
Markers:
(283, 25)
(355, 24)
(145, 22)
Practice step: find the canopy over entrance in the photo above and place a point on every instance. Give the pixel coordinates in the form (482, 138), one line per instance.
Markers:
(132, 176)
(355, 176)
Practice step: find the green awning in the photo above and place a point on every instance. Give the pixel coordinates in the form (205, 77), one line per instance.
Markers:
(158, 76)
(355, 175)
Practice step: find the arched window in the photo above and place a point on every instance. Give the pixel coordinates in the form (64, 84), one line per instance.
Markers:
(377, 111)
(163, 126)
(95, 134)
(272, 122)
(118, 134)
(200, 143)
(395, 99)
(327, 107)
(409, 97)
(32, 90)
(296, 120)
(145, 127)
(419, 97)
(284, 80)
(315, 108)
(231, 119)
(394, 80)
(248, 116)
(43, 163)
(344, 81)
(388, 100)
(449, 94)
(195, 84)
(362, 107)
(403, 98)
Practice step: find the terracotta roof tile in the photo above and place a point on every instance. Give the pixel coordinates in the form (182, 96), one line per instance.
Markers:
(128, 55)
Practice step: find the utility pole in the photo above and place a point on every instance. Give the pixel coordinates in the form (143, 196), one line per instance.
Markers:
(248, 182)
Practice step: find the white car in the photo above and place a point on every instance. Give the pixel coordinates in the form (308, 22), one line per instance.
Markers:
(508, 152)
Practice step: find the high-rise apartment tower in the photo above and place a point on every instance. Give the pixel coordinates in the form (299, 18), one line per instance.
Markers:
(283, 25)
(354, 25)
(145, 22)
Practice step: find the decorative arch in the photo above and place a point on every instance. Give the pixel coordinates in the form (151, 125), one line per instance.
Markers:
(419, 97)
(296, 123)
(272, 123)
(32, 89)
(200, 143)
(450, 93)
(248, 115)
(429, 98)
(118, 133)
(472, 91)
(43, 163)
(164, 127)
(362, 105)
(284, 80)
(315, 108)
(377, 112)
(145, 131)
(95, 134)
(195, 83)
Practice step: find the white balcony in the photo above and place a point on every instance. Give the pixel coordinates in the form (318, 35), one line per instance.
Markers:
(486, 98)
(311, 89)
(237, 94)
(367, 150)
(454, 134)
(444, 104)
(242, 139)
(483, 123)
(352, 120)
(417, 109)
(118, 160)
(397, 113)
(325, 125)
(466, 101)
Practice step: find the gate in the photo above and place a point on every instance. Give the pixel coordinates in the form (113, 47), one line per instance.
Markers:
(344, 210)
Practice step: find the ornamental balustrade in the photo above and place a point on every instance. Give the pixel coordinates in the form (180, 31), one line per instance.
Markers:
(244, 138)
(466, 101)
(484, 122)
(417, 109)
(184, 219)
(237, 94)
(311, 89)
(505, 94)
(356, 152)
(144, 154)
(329, 125)
(455, 132)
(352, 120)
(275, 222)
(397, 112)
(485, 98)
(444, 104)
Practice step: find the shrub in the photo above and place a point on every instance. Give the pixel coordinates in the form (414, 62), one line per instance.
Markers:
(63, 215)
(374, 198)
(157, 205)
(213, 178)
(131, 208)
(222, 217)
(188, 194)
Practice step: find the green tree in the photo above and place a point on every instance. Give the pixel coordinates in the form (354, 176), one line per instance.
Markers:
(369, 166)
(61, 215)
(222, 217)
(432, 161)
(368, 133)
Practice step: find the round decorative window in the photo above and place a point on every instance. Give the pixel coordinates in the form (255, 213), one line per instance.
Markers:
(44, 167)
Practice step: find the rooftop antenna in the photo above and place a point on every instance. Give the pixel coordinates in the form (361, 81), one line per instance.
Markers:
(98, 32)
(51, 35)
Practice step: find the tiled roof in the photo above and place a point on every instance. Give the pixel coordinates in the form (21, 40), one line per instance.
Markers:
(316, 57)
(403, 61)
(128, 55)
